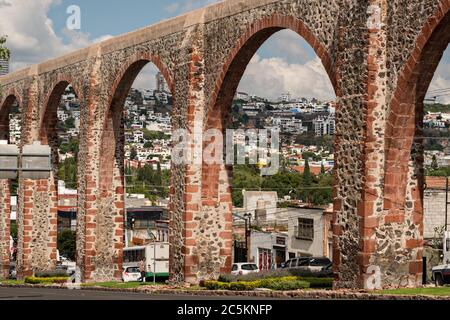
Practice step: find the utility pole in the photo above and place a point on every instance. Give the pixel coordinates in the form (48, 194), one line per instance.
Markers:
(125, 205)
(447, 203)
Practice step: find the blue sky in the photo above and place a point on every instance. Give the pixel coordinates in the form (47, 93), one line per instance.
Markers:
(100, 17)
(37, 31)
(103, 17)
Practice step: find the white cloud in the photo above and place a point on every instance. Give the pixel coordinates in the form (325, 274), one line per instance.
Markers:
(289, 45)
(442, 81)
(146, 78)
(31, 35)
(273, 76)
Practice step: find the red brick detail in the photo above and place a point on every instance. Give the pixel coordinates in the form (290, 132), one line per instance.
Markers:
(5, 212)
(11, 96)
(130, 71)
(236, 63)
(255, 36)
(407, 103)
(31, 188)
(232, 71)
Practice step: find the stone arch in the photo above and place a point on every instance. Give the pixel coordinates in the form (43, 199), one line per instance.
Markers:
(253, 38)
(101, 222)
(5, 108)
(51, 103)
(5, 185)
(405, 118)
(112, 127)
(216, 178)
(234, 68)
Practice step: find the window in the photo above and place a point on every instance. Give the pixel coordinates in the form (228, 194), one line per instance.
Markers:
(249, 267)
(448, 245)
(135, 255)
(303, 262)
(305, 229)
(320, 262)
(235, 267)
(293, 263)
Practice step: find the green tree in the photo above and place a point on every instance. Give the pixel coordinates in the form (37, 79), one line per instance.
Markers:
(148, 145)
(434, 163)
(4, 51)
(13, 230)
(307, 182)
(133, 154)
(67, 172)
(67, 244)
(70, 123)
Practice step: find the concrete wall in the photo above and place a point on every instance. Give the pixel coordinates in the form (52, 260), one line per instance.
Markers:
(434, 212)
(303, 247)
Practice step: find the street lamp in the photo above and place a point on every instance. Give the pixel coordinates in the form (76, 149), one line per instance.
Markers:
(9, 166)
(248, 233)
(36, 161)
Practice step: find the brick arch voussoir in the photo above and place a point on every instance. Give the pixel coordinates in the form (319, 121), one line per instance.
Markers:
(399, 142)
(58, 81)
(144, 56)
(63, 78)
(10, 95)
(7, 94)
(119, 81)
(275, 21)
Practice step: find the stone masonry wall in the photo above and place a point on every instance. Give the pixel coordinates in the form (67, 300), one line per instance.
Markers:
(5, 211)
(369, 49)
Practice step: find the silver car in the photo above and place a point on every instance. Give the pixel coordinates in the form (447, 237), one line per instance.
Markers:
(242, 269)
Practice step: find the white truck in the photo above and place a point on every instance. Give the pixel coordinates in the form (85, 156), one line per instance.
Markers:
(441, 274)
(156, 257)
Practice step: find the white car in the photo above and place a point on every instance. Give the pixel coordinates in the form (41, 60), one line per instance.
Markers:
(131, 274)
(242, 269)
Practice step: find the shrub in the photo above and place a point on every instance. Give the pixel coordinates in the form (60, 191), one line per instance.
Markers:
(319, 283)
(36, 280)
(288, 285)
(281, 284)
(51, 274)
(279, 273)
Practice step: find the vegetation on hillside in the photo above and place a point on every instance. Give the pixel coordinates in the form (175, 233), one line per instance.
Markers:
(306, 187)
(437, 108)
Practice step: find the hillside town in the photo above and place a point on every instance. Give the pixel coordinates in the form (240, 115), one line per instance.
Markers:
(272, 224)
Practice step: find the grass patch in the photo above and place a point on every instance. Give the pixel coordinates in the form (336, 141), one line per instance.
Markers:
(441, 292)
(120, 285)
(12, 282)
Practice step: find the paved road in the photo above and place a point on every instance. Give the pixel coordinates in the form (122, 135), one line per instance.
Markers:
(58, 294)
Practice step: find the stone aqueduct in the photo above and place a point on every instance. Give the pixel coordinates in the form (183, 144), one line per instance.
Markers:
(380, 56)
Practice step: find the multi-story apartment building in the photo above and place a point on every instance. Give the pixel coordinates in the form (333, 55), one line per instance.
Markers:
(290, 125)
(324, 126)
(4, 67)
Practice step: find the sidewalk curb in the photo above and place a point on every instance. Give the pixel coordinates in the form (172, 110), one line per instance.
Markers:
(301, 295)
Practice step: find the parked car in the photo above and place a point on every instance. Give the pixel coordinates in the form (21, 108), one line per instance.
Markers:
(441, 274)
(131, 274)
(241, 269)
(322, 266)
